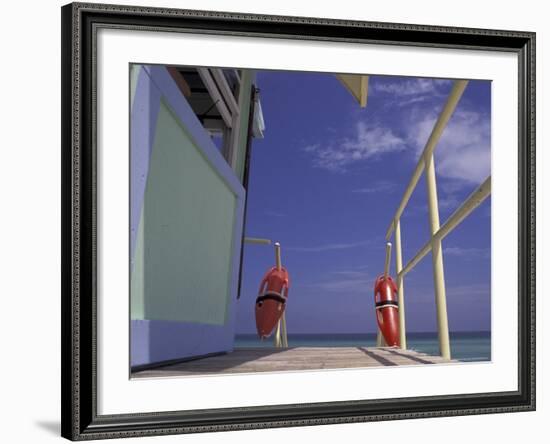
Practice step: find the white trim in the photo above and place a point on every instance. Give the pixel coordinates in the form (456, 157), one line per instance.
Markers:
(225, 89)
(216, 95)
(116, 48)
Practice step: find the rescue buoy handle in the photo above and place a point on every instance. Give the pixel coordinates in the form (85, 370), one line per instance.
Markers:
(263, 285)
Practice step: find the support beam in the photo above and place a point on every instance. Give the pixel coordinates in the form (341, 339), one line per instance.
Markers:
(233, 151)
(283, 331)
(357, 85)
(474, 200)
(257, 240)
(181, 83)
(225, 90)
(437, 261)
(453, 99)
(399, 282)
(216, 96)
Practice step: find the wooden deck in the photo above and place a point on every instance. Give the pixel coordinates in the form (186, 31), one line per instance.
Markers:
(253, 360)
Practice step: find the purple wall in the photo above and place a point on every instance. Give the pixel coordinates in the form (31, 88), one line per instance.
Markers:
(144, 116)
(157, 340)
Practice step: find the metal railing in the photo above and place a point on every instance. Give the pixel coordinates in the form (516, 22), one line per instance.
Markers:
(437, 232)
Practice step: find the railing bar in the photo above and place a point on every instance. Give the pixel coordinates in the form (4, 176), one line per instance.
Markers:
(400, 290)
(438, 266)
(416, 259)
(474, 200)
(452, 101)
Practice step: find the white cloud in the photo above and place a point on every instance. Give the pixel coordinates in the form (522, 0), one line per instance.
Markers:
(474, 290)
(355, 280)
(451, 186)
(463, 154)
(378, 187)
(344, 286)
(406, 86)
(406, 91)
(464, 150)
(367, 142)
(448, 201)
(466, 252)
(330, 247)
(274, 213)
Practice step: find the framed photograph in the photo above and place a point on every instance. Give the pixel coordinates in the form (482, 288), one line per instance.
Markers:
(281, 221)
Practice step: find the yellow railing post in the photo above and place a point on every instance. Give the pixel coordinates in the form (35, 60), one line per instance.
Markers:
(380, 341)
(277, 336)
(400, 290)
(280, 339)
(283, 331)
(278, 262)
(452, 101)
(437, 233)
(437, 261)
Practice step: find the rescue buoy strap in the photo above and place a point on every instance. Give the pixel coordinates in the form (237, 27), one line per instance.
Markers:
(271, 295)
(386, 303)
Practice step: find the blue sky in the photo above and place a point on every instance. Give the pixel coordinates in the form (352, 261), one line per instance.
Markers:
(326, 181)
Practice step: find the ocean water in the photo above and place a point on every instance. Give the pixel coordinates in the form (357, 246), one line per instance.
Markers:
(465, 346)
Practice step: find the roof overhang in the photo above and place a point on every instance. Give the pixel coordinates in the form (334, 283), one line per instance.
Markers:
(357, 85)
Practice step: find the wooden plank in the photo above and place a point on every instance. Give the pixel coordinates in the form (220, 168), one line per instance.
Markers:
(250, 360)
(183, 86)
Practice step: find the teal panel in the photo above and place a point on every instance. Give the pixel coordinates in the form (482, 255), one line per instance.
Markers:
(137, 290)
(187, 231)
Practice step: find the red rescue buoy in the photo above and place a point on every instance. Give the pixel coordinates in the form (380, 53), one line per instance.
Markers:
(271, 300)
(387, 309)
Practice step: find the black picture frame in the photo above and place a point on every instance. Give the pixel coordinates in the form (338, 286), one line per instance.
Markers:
(79, 210)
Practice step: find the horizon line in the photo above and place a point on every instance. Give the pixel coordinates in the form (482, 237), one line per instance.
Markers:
(371, 332)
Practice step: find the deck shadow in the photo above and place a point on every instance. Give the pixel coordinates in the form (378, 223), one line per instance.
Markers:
(380, 359)
(210, 364)
(412, 358)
